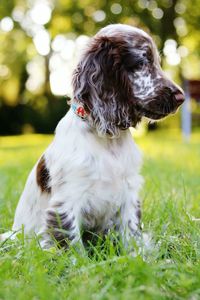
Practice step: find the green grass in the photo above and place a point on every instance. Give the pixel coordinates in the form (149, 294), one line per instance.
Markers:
(171, 195)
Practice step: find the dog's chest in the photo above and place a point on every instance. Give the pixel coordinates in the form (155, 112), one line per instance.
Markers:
(110, 175)
(96, 175)
(106, 193)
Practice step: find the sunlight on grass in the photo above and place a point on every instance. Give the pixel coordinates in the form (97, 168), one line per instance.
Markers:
(171, 194)
(16, 148)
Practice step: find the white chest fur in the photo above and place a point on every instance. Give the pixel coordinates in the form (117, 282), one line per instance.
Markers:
(92, 178)
(92, 173)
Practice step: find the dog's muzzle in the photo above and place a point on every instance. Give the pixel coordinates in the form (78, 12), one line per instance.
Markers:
(164, 103)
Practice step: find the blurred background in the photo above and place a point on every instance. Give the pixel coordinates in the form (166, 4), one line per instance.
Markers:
(41, 40)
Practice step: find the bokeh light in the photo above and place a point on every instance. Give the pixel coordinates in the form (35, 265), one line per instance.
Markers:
(116, 8)
(42, 42)
(170, 51)
(66, 53)
(36, 71)
(157, 13)
(41, 13)
(99, 16)
(6, 24)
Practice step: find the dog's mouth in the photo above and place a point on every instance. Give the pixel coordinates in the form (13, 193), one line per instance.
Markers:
(153, 115)
(157, 109)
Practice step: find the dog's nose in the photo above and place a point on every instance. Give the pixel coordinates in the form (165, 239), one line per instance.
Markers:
(179, 98)
(177, 95)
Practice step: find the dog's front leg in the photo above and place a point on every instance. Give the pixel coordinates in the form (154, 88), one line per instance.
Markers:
(130, 227)
(61, 226)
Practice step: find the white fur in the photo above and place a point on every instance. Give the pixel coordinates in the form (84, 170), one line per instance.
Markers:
(94, 179)
(87, 172)
(123, 28)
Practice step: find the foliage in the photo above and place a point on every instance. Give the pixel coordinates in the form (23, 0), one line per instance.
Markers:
(170, 196)
(25, 71)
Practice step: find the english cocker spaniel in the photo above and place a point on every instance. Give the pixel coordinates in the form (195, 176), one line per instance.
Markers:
(89, 178)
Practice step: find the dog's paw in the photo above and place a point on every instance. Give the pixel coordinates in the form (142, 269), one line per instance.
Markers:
(9, 235)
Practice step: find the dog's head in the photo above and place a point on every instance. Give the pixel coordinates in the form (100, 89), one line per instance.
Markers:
(119, 80)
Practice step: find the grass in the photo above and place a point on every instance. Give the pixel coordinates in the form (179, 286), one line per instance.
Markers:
(171, 195)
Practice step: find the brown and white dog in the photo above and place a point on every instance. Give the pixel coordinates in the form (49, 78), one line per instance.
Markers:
(88, 178)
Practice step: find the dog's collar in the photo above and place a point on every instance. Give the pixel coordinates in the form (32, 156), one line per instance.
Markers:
(79, 110)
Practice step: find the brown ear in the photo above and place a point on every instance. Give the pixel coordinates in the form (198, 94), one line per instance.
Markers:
(101, 82)
(103, 65)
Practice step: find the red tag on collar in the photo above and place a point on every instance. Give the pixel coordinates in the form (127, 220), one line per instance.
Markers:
(79, 110)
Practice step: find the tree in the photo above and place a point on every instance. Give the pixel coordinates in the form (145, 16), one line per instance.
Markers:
(30, 31)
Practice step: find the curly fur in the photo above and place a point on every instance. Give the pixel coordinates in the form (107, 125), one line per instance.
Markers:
(89, 177)
(101, 83)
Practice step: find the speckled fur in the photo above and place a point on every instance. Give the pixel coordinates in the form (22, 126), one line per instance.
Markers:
(89, 177)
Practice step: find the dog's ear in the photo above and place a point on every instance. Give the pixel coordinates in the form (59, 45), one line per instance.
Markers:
(101, 83)
(103, 67)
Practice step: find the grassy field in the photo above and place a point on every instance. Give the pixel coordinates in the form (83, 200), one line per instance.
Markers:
(171, 197)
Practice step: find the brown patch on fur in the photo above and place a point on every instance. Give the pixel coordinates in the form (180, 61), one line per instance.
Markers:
(42, 176)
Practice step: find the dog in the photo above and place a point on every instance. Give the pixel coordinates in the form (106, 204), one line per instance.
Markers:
(89, 178)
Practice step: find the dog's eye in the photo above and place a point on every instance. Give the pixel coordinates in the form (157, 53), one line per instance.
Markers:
(134, 62)
(140, 64)
(148, 55)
